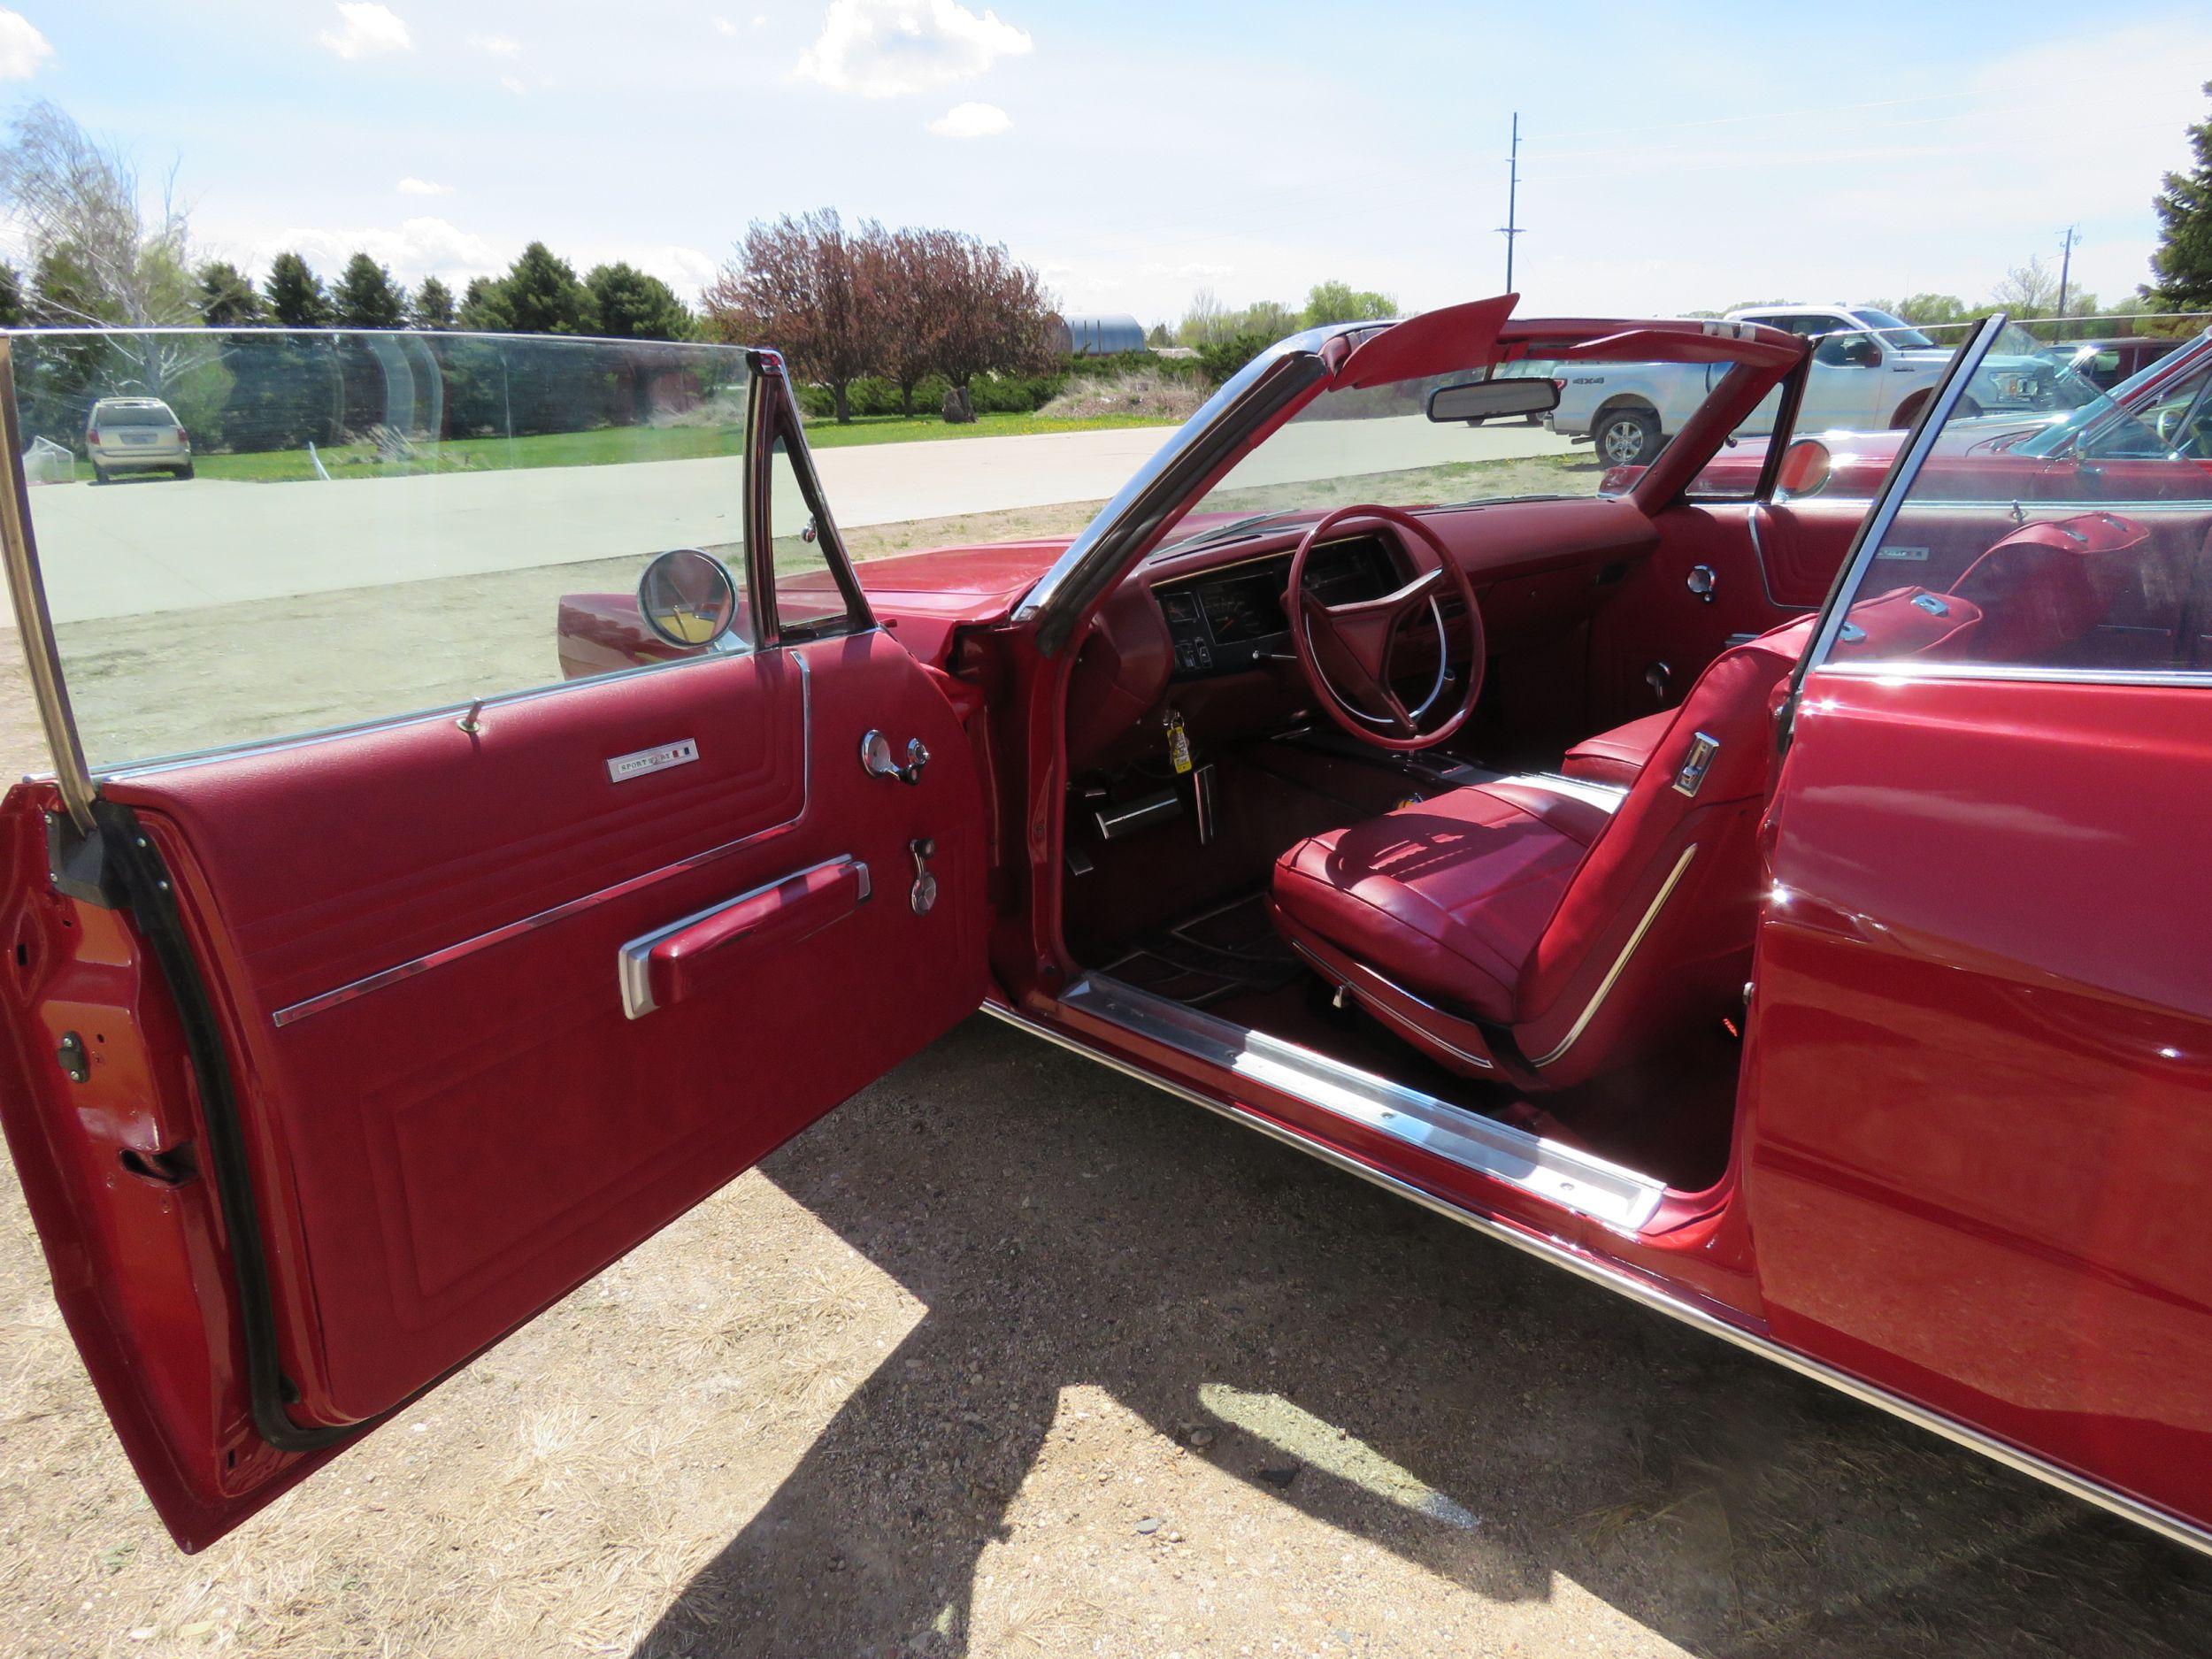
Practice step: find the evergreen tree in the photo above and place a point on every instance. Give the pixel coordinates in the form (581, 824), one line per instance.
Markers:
(227, 299)
(484, 307)
(366, 297)
(433, 306)
(14, 312)
(631, 305)
(541, 294)
(295, 294)
(2183, 264)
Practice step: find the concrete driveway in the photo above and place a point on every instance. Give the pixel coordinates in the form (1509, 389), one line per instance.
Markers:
(159, 544)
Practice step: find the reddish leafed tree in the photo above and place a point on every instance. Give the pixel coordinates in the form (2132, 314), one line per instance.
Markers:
(908, 278)
(992, 314)
(807, 287)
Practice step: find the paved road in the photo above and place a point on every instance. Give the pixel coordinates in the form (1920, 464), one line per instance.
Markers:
(160, 545)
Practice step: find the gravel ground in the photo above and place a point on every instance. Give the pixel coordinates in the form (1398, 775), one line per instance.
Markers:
(1012, 1355)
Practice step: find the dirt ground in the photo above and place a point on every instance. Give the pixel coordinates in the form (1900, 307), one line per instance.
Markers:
(1011, 1355)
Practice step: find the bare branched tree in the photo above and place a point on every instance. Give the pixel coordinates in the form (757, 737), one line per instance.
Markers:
(80, 207)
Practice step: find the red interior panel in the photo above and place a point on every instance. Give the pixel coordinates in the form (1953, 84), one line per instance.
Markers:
(411, 939)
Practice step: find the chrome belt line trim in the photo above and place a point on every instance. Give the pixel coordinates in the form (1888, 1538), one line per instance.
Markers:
(633, 957)
(1906, 671)
(1606, 1193)
(1620, 963)
(1558, 1252)
(445, 954)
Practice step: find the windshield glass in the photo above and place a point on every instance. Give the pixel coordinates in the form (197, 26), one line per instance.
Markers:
(1378, 445)
(1897, 330)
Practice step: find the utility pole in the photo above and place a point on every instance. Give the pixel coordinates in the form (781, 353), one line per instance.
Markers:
(2066, 264)
(1511, 227)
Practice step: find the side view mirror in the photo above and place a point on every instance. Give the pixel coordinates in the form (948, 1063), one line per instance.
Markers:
(1477, 401)
(687, 598)
(1803, 470)
(1859, 352)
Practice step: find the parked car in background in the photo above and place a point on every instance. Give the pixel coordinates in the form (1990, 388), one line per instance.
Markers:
(1870, 370)
(135, 434)
(2160, 413)
(2106, 363)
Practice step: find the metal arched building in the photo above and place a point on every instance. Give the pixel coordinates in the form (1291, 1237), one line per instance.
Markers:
(1101, 334)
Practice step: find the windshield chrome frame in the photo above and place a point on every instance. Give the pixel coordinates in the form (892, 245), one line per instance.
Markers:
(1269, 388)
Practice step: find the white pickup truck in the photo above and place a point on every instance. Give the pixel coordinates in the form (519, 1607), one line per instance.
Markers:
(1869, 371)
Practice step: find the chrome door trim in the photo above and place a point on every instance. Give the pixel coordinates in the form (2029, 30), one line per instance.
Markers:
(1905, 671)
(1608, 1194)
(1620, 963)
(633, 958)
(42, 655)
(444, 953)
(1650, 1293)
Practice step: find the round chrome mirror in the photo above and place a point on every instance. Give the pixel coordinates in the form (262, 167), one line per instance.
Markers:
(687, 598)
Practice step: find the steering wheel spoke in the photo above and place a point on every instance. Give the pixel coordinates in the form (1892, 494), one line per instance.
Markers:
(1346, 650)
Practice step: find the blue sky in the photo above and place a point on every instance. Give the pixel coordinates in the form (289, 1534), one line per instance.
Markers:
(1673, 157)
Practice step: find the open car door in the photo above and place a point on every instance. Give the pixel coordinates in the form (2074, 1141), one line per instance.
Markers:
(421, 989)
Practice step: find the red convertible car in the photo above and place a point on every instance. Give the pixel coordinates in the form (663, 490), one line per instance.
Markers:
(1790, 915)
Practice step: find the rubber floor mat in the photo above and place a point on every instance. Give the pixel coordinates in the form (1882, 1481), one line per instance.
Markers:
(1218, 952)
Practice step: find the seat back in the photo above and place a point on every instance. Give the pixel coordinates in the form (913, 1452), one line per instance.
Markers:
(1655, 927)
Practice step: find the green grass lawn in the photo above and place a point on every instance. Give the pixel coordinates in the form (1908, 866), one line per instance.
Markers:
(612, 446)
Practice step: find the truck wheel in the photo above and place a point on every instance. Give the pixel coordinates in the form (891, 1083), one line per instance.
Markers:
(99, 475)
(1626, 437)
(185, 470)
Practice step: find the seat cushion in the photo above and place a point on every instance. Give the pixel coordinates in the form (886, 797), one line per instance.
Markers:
(1617, 756)
(1445, 897)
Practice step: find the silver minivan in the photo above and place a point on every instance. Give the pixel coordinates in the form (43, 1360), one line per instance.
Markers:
(135, 434)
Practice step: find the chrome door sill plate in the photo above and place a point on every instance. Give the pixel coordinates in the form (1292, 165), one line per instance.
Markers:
(1618, 1198)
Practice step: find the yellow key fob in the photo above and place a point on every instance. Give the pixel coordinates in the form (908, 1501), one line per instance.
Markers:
(1178, 741)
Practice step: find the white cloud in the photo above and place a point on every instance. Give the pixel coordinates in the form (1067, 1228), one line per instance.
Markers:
(1196, 270)
(22, 48)
(723, 25)
(513, 83)
(423, 186)
(497, 45)
(972, 120)
(883, 49)
(418, 248)
(367, 31)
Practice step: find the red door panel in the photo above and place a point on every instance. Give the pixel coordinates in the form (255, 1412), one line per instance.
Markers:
(1981, 1116)
(410, 944)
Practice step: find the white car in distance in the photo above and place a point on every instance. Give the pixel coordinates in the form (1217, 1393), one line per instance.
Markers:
(135, 434)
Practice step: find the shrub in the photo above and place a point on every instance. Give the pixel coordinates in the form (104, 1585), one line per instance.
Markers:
(1223, 358)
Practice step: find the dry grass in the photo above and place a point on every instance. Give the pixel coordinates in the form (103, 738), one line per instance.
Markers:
(1137, 392)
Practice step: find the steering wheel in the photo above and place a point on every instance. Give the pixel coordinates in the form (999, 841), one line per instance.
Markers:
(1347, 649)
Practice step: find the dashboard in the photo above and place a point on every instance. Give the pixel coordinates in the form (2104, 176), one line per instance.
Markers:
(1231, 620)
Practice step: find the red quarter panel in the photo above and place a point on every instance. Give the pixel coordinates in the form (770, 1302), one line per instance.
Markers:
(1981, 1103)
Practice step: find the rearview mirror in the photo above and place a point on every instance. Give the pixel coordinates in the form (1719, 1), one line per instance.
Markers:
(1477, 401)
(687, 598)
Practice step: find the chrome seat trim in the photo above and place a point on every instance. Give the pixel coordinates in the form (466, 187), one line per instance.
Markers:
(1617, 1197)
(1651, 1293)
(1620, 963)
